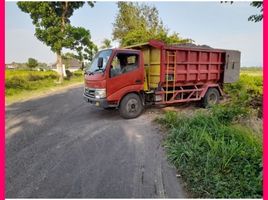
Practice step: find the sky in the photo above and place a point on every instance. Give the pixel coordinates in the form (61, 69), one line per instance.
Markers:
(219, 25)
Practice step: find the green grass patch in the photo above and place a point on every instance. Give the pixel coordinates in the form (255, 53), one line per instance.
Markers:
(22, 84)
(247, 92)
(217, 157)
(252, 71)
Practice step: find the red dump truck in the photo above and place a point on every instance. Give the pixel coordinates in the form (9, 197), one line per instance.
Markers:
(154, 73)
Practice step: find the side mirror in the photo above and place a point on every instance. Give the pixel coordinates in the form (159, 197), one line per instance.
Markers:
(100, 62)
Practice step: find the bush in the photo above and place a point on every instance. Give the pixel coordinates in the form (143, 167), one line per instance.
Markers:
(78, 73)
(247, 92)
(69, 74)
(19, 80)
(216, 157)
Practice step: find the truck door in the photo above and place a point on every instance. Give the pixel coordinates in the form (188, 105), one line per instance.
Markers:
(232, 66)
(125, 70)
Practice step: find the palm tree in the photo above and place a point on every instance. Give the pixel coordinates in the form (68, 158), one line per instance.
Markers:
(106, 43)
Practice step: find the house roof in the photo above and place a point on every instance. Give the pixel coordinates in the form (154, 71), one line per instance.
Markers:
(73, 64)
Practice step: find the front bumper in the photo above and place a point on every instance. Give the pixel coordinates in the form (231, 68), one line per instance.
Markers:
(103, 103)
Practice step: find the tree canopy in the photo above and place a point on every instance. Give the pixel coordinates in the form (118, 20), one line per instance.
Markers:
(106, 43)
(53, 28)
(257, 17)
(137, 23)
(32, 63)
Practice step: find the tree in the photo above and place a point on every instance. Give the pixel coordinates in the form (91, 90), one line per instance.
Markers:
(53, 27)
(138, 23)
(42, 66)
(106, 43)
(257, 4)
(257, 17)
(32, 63)
(84, 47)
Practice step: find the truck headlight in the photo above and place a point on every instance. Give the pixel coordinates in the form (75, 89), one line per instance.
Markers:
(100, 93)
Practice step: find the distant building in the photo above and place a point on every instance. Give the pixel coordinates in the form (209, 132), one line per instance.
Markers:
(12, 65)
(73, 65)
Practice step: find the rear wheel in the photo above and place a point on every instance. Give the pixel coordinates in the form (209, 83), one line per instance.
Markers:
(131, 106)
(211, 98)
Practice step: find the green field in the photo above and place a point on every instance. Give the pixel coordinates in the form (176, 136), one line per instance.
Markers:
(23, 84)
(218, 151)
(252, 71)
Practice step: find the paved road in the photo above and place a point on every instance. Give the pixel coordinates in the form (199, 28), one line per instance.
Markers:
(59, 146)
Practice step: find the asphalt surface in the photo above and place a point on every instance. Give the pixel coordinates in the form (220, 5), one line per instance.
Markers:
(59, 146)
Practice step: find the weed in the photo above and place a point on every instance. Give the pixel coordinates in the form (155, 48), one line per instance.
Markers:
(217, 157)
(21, 81)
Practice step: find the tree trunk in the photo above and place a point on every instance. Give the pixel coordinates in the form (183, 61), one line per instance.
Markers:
(59, 57)
(59, 67)
(83, 65)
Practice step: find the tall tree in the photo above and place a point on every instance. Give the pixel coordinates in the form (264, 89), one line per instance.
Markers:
(32, 63)
(53, 27)
(257, 17)
(137, 23)
(106, 43)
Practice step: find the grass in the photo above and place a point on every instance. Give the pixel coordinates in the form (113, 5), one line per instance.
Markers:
(216, 156)
(218, 151)
(252, 71)
(247, 92)
(24, 84)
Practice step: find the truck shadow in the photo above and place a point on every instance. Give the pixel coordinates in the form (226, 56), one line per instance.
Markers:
(59, 146)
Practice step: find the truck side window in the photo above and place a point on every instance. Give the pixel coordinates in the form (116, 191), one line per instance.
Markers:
(123, 63)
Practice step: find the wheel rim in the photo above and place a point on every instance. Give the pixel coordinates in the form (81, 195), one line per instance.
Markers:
(212, 99)
(132, 106)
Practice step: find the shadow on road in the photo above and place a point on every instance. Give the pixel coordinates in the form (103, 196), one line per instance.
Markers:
(59, 146)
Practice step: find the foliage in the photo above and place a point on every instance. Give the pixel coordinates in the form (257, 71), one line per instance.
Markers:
(53, 27)
(32, 63)
(78, 73)
(215, 151)
(216, 157)
(137, 23)
(84, 47)
(257, 17)
(247, 92)
(42, 66)
(106, 43)
(252, 71)
(26, 80)
(18, 81)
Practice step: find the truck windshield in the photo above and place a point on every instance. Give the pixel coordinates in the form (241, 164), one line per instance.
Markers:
(93, 66)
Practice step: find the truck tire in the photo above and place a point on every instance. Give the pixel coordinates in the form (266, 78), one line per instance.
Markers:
(131, 106)
(211, 98)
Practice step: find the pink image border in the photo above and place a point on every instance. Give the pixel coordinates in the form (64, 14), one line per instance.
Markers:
(265, 99)
(2, 100)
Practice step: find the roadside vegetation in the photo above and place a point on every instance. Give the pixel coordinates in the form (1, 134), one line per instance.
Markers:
(252, 71)
(21, 84)
(218, 151)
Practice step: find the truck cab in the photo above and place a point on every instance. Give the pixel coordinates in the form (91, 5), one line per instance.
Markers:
(111, 76)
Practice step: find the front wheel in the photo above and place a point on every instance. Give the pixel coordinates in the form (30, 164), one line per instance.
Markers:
(131, 106)
(211, 98)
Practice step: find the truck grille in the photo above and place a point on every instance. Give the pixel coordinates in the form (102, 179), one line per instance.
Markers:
(90, 92)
